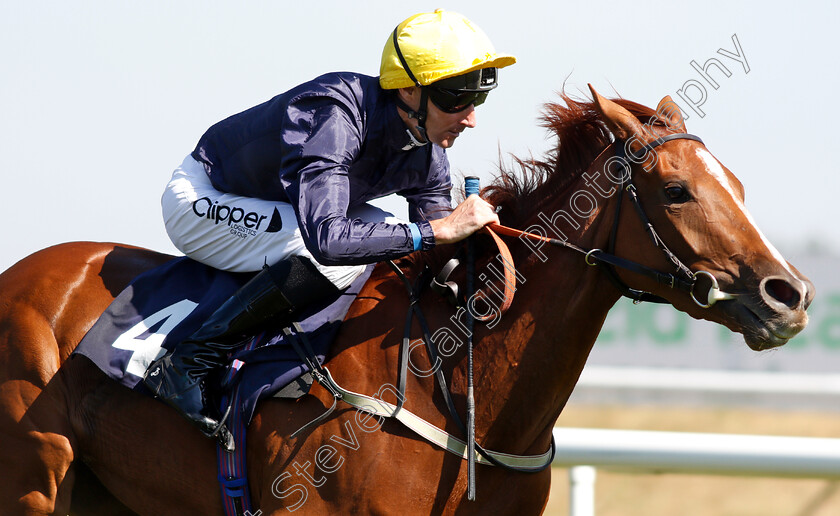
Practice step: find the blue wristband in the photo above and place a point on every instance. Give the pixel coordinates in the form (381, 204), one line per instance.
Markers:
(415, 235)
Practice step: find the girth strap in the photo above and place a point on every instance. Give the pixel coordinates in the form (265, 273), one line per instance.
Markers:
(439, 437)
(426, 430)
(318, 372)
(489, 457)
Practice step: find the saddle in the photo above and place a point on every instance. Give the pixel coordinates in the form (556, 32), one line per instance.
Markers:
(163, 306)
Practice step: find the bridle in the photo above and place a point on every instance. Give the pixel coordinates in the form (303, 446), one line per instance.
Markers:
(681, 278)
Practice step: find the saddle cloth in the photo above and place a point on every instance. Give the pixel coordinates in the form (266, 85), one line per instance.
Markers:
(163, 306)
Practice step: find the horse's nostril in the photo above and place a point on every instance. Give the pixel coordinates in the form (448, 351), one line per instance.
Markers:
(783, 292)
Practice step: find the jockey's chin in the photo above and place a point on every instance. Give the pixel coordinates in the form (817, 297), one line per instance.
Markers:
(444, 128)
(448, 139)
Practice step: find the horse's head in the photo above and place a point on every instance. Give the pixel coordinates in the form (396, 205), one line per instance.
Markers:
(696, 206)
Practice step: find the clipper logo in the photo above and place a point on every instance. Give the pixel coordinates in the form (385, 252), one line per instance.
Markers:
(242, 224)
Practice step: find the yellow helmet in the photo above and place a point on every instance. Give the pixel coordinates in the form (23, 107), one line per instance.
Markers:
(435, 46)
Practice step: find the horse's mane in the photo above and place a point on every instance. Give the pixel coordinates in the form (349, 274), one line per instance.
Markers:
(580, 136)
(521, 190)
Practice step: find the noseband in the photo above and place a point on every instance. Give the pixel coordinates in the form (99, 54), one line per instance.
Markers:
(682, 278)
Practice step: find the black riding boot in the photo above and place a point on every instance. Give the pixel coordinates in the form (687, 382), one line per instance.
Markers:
(276, 291)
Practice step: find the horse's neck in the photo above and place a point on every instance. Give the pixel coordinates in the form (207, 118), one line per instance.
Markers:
(529, 363)
(526, 364)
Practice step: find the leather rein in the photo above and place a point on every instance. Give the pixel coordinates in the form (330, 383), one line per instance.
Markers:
(682, 278)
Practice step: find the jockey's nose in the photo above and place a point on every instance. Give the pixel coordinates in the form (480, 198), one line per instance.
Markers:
(470, 120)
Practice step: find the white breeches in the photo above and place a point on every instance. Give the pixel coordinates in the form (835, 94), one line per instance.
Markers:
(242, 234)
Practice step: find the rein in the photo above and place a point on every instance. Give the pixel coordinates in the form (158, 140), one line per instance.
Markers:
(683, 278)
(421, 427)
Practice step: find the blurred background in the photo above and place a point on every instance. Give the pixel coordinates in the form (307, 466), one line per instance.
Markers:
(101, 100)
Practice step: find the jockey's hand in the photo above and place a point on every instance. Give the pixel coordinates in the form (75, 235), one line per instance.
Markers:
(470, 216)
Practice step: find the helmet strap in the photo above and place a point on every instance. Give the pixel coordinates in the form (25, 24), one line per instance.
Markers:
(419, 115)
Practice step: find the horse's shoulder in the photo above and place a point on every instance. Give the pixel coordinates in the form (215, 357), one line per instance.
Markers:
(382, 292)
(372, 329)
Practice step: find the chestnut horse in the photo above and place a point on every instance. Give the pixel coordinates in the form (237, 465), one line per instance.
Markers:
(75, 441)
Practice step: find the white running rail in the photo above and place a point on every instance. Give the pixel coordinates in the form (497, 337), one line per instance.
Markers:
(583, 449)
(743, 382)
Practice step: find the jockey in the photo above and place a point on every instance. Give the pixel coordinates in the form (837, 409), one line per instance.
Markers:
(282, 188)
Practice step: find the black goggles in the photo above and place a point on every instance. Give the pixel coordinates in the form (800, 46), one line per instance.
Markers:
(457, 93)
(454, 101)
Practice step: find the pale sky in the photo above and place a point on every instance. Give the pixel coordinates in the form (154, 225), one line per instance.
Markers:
(101, 100)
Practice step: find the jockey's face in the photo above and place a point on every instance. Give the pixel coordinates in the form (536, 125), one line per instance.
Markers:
(441, 128)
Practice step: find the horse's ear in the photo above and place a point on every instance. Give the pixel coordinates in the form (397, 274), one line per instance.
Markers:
(620, 121)
(669, 112)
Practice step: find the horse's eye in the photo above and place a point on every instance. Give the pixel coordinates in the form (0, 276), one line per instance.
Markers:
(676, 193)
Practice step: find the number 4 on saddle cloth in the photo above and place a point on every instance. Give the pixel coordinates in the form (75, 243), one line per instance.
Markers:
(165, 305)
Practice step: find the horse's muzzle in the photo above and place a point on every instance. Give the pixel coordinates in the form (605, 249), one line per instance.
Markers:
(777, 314)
